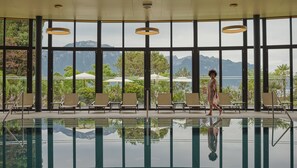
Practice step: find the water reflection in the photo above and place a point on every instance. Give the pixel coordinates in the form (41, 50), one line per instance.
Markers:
(130, 142)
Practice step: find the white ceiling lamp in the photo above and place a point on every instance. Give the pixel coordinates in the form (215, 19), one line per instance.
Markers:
(147, 30)
(58, 30)
(234, 28)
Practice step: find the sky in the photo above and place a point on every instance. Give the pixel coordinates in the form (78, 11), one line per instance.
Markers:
(208, 35)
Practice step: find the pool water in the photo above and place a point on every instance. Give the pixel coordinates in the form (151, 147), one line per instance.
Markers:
(208, 142)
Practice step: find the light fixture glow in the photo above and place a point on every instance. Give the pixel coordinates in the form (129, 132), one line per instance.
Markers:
(147, 31)
(234, 29)
(58, 31)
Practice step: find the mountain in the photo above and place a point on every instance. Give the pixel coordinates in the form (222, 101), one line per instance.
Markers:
(85, 60)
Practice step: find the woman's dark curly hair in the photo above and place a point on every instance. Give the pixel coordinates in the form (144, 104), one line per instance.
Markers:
(212, 72)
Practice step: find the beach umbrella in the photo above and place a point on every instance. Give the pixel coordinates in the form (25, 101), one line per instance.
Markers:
(182, 79)
(156, 77)
(118, 80)
(82, 76)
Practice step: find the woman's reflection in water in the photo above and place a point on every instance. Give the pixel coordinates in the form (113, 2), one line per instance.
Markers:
(213, 139)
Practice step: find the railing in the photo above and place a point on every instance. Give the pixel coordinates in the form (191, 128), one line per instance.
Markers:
(273, 120)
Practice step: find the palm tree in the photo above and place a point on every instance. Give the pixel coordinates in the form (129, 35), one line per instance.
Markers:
(283, 71)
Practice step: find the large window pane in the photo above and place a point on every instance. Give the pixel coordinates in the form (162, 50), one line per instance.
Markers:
(111, 34)
(1, 32)
(16, 73)
(278, 31)
(44, 63)
(112, 74)
(163, 38)
(160, 72)
(1, 79)
(232, 39)
(294, 30)
(208, 60)
(208, 34)
(134, 73)
(182, 34)
(131, 38)
(250, 32)
(44, 34)
(63, 68)
(182, 74)
(295, 77)
(279, 73)
(17, 32)
(85, 84)
(66, 40)
(251, 82)
(232, 74)
(86, 34)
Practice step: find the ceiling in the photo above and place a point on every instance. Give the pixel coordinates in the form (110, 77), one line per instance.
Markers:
(133, 10)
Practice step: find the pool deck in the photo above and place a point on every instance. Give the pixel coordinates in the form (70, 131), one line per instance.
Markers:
(142, 114)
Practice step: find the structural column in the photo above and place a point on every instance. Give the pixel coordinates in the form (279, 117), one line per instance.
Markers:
(38, 96)
(257, 64)
(195, 62)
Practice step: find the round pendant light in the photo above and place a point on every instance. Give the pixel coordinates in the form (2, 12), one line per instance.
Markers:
(234, 29)
(58, 31)
(147, 31)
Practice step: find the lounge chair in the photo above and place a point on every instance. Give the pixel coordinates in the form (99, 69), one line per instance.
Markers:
(70, 101)
(271, 101)
(193, 101)
(164, 101)
(26, 103)
(101, 101)
(225, 102)
(129, 102)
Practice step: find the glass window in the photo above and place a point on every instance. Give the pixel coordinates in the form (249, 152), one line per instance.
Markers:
(134, 73)
(44, 34)
(232, 39)
(163, 38)
(182, 33)
(1, 79)
(1, 31)
(44, 61)
(278, 31)
(232, 73)
(208, 34)
(131, 38)
(294, 30)
(251, 78)
(65, 40)
(160, 74)
(16, 73)
(86, 34)
(250, 32)
(279, 73)
(182, 74)
(111, 34)
(208, 60)
(112, 74)
(17, 33)
(62, 74)
(85, 80)
(295, 77)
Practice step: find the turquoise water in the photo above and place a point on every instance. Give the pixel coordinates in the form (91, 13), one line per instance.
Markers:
(211, 142)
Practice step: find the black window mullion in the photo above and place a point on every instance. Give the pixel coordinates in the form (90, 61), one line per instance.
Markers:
(30, 58)
(50, 69)
(74, 60)
(171, 60)
(4, 65)
(245, 68)
(123, 59)
(195, 61)
(220, 57)
(291, 67)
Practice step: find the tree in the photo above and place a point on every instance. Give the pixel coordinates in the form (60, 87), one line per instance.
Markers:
(283, 72)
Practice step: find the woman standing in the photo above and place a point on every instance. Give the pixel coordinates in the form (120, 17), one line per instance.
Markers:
(212, 92)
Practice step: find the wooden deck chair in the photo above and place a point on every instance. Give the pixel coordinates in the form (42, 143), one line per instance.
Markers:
(101, 101)
(70, 101)
(271, 102)
(129, 102)
(193, 101)
(225, 102)
(26, 103)
(164, 101)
